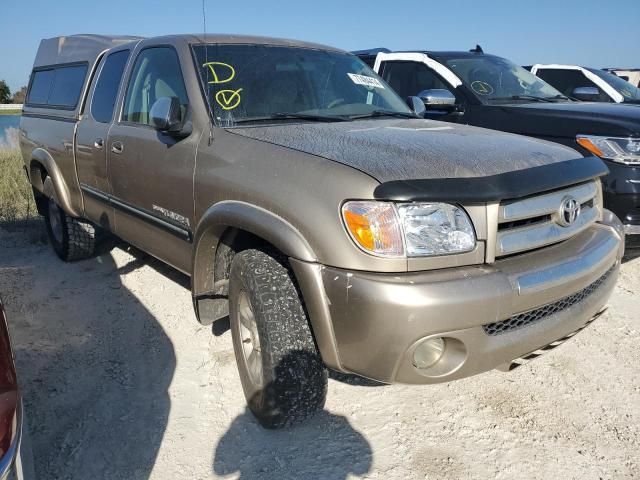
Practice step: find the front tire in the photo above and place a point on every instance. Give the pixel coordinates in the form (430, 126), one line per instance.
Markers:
(283, 377)
(71, 238)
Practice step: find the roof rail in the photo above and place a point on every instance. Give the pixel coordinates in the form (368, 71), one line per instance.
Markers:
(371, 51)
(625, 69)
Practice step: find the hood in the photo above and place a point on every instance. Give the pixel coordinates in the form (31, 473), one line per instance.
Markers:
(392, 149)
(567, 119)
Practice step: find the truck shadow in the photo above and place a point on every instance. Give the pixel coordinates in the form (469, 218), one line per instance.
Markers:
(144, 259)
(94, 366)
(325, 447)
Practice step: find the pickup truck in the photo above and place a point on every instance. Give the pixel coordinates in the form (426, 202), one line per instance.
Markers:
(587, 84)
(314, 209)
(629, 75)
(476, 88)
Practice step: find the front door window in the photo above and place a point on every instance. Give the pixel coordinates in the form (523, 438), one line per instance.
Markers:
(411, 78)
(156, 74)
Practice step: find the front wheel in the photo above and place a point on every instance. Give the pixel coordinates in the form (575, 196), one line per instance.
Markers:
(71, 238)
(283, 377)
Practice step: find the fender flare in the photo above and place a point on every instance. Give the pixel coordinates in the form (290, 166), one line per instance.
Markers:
(243, 216)
(282, 235)
(56, 187)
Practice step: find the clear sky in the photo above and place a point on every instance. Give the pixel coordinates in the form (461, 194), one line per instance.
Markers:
(588, 32)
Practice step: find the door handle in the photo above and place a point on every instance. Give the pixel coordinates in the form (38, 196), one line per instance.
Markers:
(117, 147)
(99, 143)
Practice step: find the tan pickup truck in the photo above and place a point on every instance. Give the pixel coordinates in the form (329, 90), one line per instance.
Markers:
(309, 204)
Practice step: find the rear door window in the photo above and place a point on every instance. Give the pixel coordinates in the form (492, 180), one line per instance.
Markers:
(105, 94)
(57, 87)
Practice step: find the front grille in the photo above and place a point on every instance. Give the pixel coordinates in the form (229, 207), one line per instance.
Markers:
(534, 222)
(518, 362)
(538, 314)
(526, 222)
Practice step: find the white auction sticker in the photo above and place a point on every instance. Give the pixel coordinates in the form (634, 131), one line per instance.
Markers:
(368, 82)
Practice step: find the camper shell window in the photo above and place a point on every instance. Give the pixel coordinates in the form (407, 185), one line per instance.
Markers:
(57, 87)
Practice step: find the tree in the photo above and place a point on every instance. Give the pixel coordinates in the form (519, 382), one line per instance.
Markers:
(5, 93)
(20, 95)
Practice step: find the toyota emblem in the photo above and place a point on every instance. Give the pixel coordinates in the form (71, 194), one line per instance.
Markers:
(569, 211)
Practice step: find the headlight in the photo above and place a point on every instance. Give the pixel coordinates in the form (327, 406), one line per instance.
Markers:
(622, 150)
(409, 229)
(436, 229)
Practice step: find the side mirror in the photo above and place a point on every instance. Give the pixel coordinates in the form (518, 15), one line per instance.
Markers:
(586, 94)
(165, 115)
(438, 98)
(417, 105)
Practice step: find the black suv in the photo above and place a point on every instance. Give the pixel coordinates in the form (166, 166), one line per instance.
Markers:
(489, 91)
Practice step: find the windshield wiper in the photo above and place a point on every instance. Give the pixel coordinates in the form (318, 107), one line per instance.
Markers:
(300, 116)
(526, 97)
(562, 97)
(531, 97)
(384, 113)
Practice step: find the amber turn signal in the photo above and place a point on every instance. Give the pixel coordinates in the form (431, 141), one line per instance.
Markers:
(375, 227)
(588, 144)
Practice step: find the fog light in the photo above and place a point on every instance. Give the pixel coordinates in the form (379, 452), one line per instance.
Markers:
(428, 353)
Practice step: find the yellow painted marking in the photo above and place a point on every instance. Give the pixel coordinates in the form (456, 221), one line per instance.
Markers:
(482, 88)
(219, 69)
(228, 99)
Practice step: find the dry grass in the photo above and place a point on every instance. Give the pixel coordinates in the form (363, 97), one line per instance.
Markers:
(17, 207)
(16, 198)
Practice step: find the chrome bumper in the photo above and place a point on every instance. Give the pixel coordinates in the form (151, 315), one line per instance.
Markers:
(632, 229)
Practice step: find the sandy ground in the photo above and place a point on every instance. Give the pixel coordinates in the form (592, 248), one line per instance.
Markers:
(121, 382)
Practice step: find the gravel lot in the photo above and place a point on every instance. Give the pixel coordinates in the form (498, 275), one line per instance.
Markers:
(121, 382)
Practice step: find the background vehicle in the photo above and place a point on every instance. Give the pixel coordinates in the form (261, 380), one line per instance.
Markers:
(588, 84)
(489, 91)
(312, 207)
(631, 75)
(11, 414)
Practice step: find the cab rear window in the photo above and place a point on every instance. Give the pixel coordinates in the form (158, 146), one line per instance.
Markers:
(57, 87)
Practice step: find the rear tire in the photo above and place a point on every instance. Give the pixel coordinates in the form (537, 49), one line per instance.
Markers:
(283, 377)
(71, 238)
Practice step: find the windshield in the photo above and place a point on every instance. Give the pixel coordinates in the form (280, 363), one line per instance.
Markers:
(493, 78)
(252, 83)
(628, 91)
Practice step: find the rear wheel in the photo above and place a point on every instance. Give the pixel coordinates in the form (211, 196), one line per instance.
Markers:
(282, 374)
(71, 238)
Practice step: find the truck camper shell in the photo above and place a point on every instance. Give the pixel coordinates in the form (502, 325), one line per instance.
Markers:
(82, 52)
